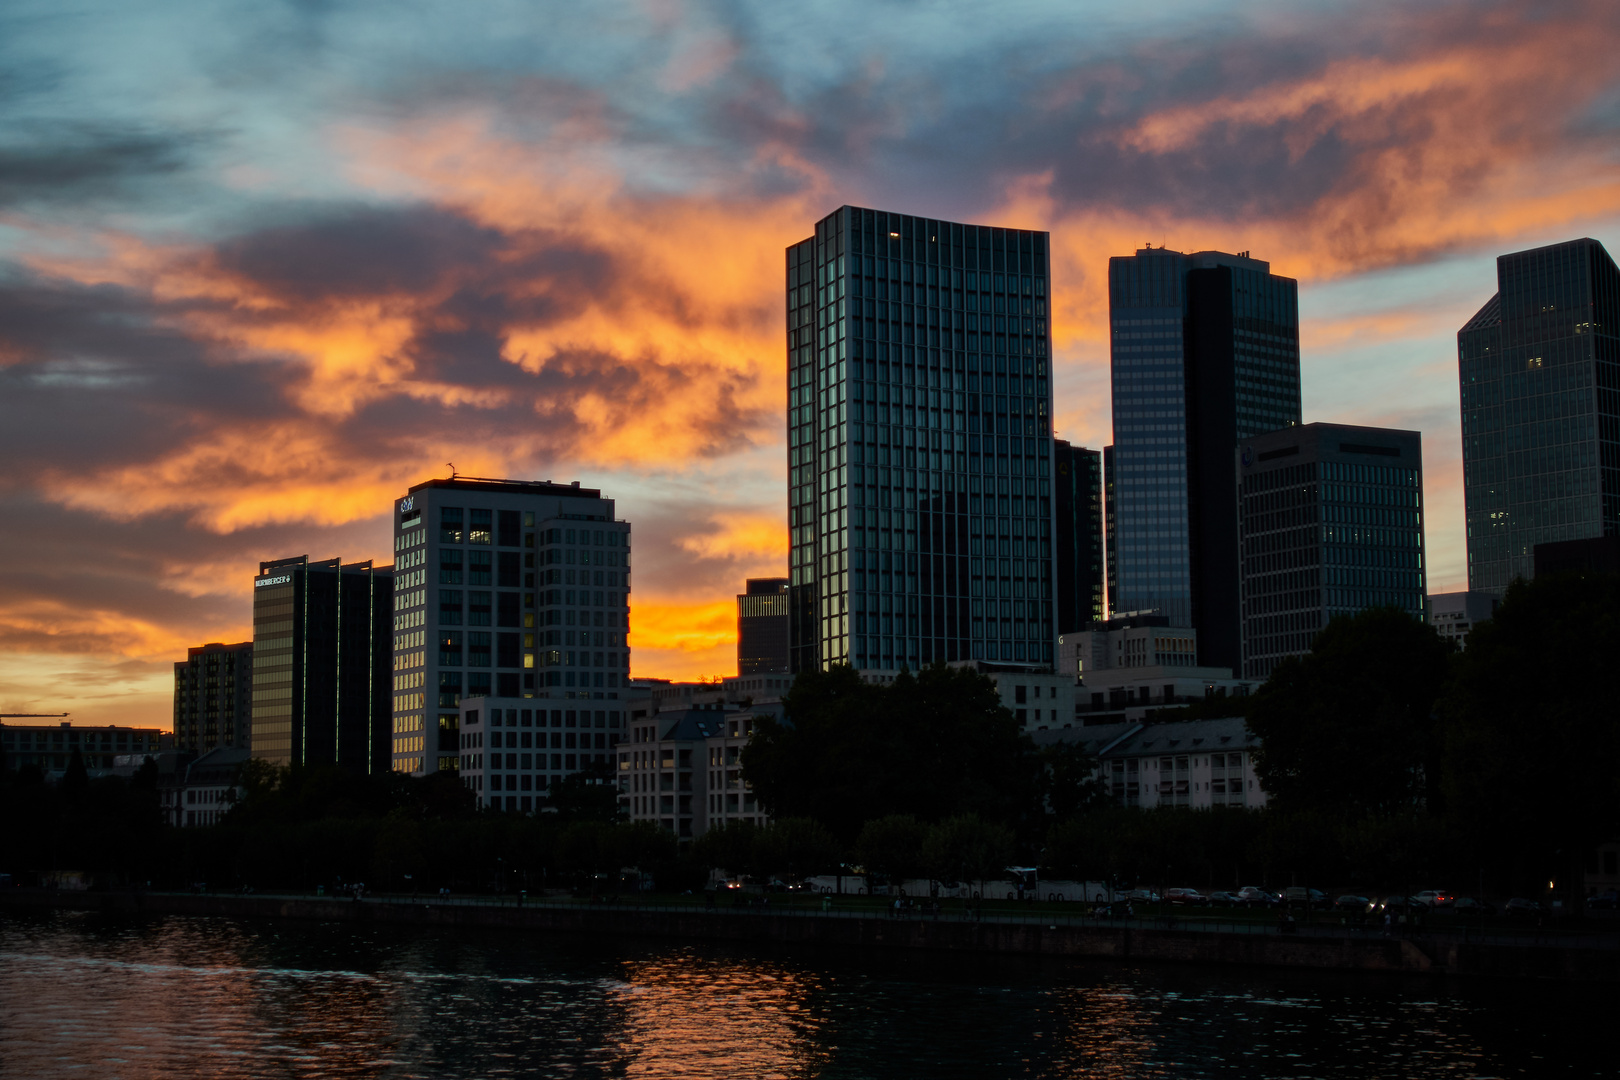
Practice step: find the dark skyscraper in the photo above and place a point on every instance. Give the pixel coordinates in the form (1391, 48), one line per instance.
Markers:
(1078, 506)
(1540, 372)
(213, 697)
(1331, 523)
(919, 443)
(321, 658)
(1205, 354)
(762, 627)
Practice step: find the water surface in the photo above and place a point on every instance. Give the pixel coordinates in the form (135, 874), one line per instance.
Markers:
(89, 995)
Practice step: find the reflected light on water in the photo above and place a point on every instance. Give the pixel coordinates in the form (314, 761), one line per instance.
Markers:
(691, 1013)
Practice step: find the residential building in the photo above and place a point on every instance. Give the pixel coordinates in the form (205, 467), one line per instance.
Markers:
(1035, 696)
(213, 696)
(1453, 615)
(1135, 665)
(762, 627)
(1077, 503)
(320, 663)
(919, 443)
(682, 769)
(1205, 354)
(513, 749)
(1540, 416)
(1331, 523)
(49, 747)
(509, 589)
(1197, 764)
(200, 792)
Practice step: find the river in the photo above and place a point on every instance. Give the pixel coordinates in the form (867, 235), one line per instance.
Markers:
(85, 994)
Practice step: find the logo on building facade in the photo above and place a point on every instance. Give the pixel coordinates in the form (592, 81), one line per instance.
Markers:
(279, 580)
(407, 504)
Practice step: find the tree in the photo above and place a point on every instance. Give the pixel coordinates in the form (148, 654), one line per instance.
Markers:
(796, 848)
(728, 846)
(965, 848)
(1071, 782)
(890, 848)
(1349, 728)
(1531, 744)
(934, 745)
(587, 795)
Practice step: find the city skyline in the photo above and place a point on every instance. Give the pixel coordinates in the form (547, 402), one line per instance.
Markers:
(243, 305)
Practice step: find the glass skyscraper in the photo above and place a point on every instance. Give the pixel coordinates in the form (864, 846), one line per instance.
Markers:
(1539, 367)
(1330, 523)
(320, 663)
(1205, 353)
(1078, 505)
(919, 443)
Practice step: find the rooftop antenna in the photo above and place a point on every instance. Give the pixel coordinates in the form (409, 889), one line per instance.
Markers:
(452, 469)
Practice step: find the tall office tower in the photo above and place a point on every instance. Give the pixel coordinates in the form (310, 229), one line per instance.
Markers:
(507, 588)
(919, 443)
(762, 627)
(1205, 354)
(1110, 535)
(1077, 503)
(320, 663)
(1331, 523)
(213, 697)
(1540, 372)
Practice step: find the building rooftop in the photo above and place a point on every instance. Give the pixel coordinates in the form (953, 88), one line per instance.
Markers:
(510, 487)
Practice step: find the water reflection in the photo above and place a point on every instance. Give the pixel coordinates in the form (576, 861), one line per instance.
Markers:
(167, 997)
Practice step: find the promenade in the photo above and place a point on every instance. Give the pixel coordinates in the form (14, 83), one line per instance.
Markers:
(1592, 955)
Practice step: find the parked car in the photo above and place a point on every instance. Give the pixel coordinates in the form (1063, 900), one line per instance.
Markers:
(1351, 902)
(1257, 897)
(1607, 901)
(1396, 905)
(1520, 908)
(1468, 905)
(1437, 898)
(1308, 897)
(1185, 896)
(1144, 896)
(1225, 899)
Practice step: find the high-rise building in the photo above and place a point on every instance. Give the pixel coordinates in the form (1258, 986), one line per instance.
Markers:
(507, 588)
(919, 443)
(213, 697)
(1078, 506)
(320, 663)
(762, 627)
(1110, 534)
(1331, 523)
(1539, 367)
(1205, 354)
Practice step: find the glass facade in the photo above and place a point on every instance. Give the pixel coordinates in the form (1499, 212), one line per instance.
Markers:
(1539, 368)
(1078, 506)
(1331, 523)
(321, 693)
(1205, 352)
(919, 443)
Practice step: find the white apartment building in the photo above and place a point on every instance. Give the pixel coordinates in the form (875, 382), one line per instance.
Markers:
(1196, 764)
(1453, 615)
(682, 769)
(511, 750)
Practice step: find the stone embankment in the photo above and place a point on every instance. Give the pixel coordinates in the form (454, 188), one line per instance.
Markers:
(993, 935)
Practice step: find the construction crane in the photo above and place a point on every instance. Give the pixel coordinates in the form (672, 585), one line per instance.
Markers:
(31, 715)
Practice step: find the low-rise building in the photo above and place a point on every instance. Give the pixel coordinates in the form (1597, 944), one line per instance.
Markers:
(1454, 615)
(196, 793)
(1135, 664)
(49, 747)
(1193, 763)
(512, 750)
(682, 770)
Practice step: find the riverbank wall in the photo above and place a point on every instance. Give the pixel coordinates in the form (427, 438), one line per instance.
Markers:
(1135, 943)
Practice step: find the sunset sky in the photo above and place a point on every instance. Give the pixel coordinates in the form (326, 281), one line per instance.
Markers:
(264, 265)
